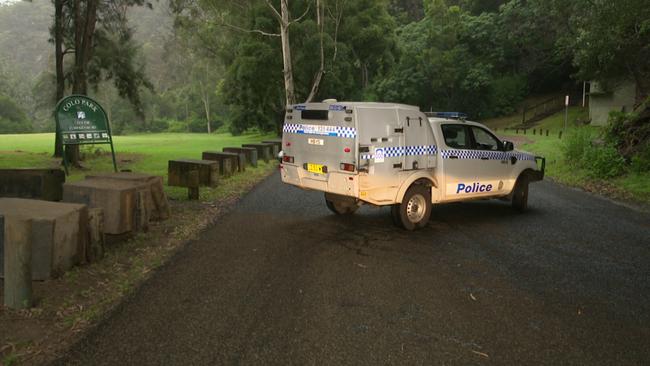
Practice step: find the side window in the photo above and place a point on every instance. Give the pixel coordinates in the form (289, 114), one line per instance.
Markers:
(456, 136)
(485, 140)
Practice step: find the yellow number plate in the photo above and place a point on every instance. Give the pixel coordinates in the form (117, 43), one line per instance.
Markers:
(315, 168)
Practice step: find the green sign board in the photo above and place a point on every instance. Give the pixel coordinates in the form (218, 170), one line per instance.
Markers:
(81, 121)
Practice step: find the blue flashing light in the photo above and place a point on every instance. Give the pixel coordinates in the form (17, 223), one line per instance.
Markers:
(450, 115)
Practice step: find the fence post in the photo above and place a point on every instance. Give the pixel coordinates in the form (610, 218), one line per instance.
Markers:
(17, 262)
(560, 135)
(546, 133)
(517, 131)
(525, 131)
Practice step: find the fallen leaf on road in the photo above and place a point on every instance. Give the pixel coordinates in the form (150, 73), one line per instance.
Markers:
(472, 297)
(481, 354)
(362, 265)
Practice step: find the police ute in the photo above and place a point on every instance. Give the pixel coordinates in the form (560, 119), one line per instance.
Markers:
(388, 154)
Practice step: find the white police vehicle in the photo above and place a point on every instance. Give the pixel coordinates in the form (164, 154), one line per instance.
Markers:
(393, 154)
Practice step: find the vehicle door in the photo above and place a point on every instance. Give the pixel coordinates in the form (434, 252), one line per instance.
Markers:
(495, 168)
(462, 165)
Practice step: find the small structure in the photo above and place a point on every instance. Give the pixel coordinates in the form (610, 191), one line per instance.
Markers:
(57, 234)
(603, 100)
(192, 174)
(44, 184)
(124, 202)
(250, 152)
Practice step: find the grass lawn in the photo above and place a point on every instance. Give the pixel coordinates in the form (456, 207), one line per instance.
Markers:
(632, 186)
(144, 153)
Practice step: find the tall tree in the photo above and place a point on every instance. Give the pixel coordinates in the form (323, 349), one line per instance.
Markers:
(88, 29)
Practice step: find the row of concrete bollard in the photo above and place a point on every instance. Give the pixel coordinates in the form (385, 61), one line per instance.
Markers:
(206, 172)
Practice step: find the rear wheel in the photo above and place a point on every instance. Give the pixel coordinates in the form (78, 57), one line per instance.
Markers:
(415, 210)
(520, 194)
(340, 207)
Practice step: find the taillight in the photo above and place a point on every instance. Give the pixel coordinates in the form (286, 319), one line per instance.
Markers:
(347, 167)
(287, 159)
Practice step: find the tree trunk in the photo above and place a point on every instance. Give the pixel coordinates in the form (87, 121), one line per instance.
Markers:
(290, 97)
(84, 27)
(60, 80)
(320, 21)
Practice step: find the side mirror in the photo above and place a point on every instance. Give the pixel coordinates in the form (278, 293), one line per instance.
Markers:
(508, 146)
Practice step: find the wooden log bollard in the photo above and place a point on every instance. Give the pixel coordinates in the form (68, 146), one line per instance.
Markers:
(560, 135)
(96, 238)
(17, 262)
(193, 185)
(546, 133)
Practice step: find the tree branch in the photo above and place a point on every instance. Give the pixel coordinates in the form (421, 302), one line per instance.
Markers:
(303, 14)
(275, 11)
(224, 24)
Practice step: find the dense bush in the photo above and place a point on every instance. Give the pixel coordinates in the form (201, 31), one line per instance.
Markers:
(177, 126)
(158, 125)
(603, 161)
(599, 160)
(641, 162)
(574, 146)
(12, 118)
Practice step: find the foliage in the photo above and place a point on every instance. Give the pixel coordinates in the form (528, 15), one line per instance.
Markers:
(12, 118)
(640, 162)
(603, 161)
(599, 160)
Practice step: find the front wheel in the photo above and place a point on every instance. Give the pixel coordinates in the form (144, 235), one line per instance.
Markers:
(415, 210)
(520, 194)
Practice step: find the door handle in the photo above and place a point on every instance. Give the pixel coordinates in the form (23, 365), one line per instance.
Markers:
(484, 158)
(453, 157)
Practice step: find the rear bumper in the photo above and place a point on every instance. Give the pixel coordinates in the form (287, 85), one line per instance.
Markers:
(538, 175)
(344, 184)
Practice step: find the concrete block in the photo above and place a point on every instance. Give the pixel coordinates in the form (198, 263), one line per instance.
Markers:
(250, 152)
(264, 151)
(45, 184)
(178, 171)
(118, 199)
(228, 162)
(58, 234)
(157, 205)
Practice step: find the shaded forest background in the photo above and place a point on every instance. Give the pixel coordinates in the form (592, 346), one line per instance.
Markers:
(211, 65)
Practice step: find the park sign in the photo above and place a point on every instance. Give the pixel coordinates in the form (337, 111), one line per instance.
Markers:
(82, 121)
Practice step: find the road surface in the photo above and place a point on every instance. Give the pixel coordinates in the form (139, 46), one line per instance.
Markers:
(282, 281)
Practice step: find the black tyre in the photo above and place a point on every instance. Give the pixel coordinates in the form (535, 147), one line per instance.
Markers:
(340, 208)
(520, 194)
(415, 210)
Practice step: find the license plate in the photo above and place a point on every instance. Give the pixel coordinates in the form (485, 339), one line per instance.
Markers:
(316, 141)
(315, 168)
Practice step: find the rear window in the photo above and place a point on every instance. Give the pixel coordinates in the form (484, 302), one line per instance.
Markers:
(456, 136)
(315, 114)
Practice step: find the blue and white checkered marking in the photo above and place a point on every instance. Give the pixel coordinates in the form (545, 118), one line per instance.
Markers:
(479, 154)
(395, 151)
(321, 130)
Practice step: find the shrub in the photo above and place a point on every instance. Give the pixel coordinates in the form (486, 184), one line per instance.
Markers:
(641, 162)
(158, 125)
(177, 126)
(603, 161)
(575, 144)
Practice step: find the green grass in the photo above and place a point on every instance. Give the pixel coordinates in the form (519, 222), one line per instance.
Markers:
(633, 186)
(145, 153)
